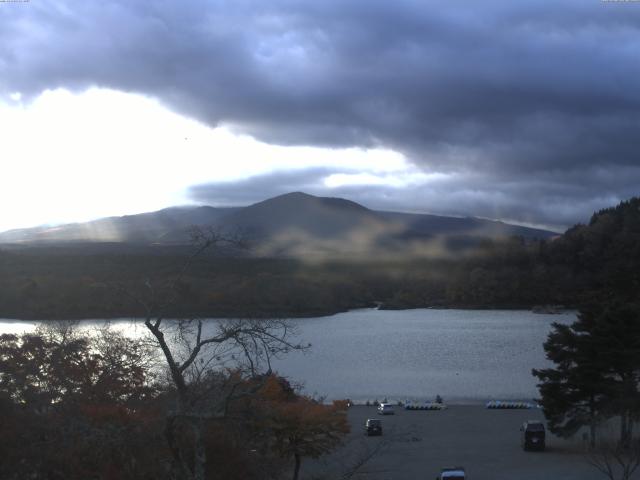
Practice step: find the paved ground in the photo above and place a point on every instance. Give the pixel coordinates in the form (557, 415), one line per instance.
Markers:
(416, 444)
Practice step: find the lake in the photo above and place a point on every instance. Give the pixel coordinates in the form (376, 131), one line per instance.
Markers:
(463, 355)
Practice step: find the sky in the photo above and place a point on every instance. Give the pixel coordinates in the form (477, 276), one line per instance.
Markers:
(528, 112)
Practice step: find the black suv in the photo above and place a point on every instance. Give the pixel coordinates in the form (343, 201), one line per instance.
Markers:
(532, 435)
(373, 427)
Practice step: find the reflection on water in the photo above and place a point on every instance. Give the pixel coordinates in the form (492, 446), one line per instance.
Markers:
(369, 354)
(459, 354)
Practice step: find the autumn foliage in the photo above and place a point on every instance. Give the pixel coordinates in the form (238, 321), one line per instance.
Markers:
(74, 407)
(299, 426)
(93, 407)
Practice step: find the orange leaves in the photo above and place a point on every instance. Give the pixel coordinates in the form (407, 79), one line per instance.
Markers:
(40, 371)
(276, 389)
(76, 408)
(299, 425)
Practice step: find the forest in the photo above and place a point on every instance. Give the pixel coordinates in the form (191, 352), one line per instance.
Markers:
(73, 282)
(100, 405)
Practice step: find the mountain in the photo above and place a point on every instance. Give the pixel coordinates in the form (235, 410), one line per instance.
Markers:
(280, 223)
(316, 216)
(418, 225)
(143, 228)
(588, 263)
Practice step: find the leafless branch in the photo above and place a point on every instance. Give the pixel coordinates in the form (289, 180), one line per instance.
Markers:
(615, 460)
(210, 364)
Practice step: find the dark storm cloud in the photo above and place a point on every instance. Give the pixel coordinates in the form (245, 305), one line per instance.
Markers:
(545, 201)
(513, 92)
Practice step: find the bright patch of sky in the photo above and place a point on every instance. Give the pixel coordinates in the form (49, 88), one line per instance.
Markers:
(74, 157)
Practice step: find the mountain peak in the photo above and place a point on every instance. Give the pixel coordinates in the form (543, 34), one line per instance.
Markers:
(301, 200)
(294, 195)
(320, 216)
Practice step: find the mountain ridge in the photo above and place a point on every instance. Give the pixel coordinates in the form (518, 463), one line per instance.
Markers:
(304, 216)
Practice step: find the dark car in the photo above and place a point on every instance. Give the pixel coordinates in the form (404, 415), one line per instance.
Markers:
(452, 473)
(373, 427)
(532, 435)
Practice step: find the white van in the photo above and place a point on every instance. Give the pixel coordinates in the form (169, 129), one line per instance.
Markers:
(454, 473)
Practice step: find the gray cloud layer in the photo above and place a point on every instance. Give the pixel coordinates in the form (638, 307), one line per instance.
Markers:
(533, 101)
(542, 202)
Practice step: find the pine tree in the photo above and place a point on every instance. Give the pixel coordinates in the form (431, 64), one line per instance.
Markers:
(572, 393)
(597, 371)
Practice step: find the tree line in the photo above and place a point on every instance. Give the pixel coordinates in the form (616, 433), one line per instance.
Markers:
(99, 405)
(509, 274)
(595, 377)
(586, 261)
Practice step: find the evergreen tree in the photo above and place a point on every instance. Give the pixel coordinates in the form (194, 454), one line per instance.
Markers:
(572, 393)
(597, 371)
(615, 332)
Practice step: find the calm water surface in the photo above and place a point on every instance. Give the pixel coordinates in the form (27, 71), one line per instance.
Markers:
(371, 354)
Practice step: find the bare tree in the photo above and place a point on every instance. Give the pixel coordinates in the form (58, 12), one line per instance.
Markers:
(208, 362)
(614, 459)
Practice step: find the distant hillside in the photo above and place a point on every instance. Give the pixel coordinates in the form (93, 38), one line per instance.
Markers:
(282, 225)
(420, 225)
(592, 262)
(606, 251)
(588, 263)
(145, 228)
(316, 216)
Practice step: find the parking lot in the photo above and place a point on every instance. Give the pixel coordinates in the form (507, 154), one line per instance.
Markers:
(416, 444)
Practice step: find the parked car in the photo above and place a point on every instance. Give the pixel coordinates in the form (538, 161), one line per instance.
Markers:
(532, 435)
(373, 426)
(386, 409)
(452, 473)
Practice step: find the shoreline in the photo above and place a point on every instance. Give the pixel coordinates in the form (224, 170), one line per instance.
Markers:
(294, 316)
(448, 402)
